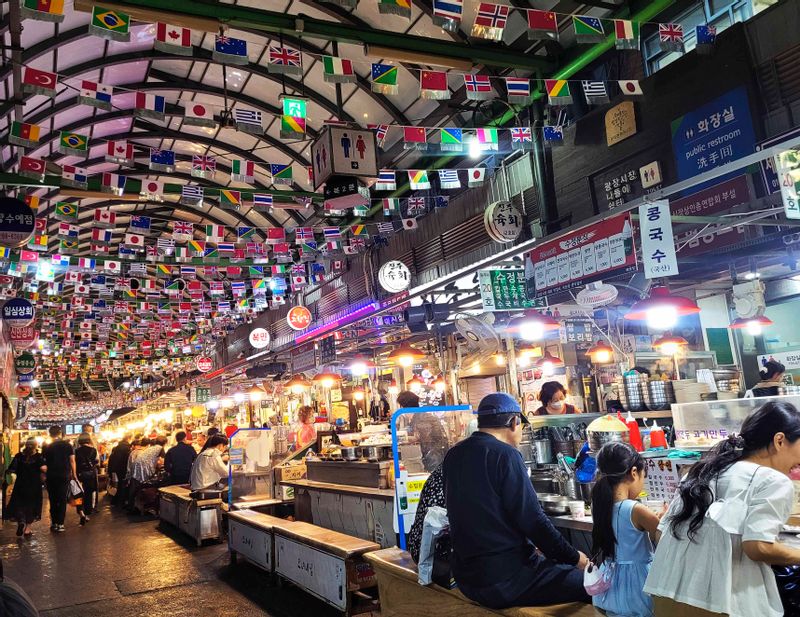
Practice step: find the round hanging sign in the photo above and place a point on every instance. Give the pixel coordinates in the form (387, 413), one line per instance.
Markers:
(22, 390)
(22, 337)
(18, 312)
(17, 222)
(298, 318)
(394, 276)
(25, 363)
(259, 338)
(204, 364)
(503, 222)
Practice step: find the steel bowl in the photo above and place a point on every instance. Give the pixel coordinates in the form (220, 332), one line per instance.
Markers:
(351, 453)
(554, 504)
(597, 439)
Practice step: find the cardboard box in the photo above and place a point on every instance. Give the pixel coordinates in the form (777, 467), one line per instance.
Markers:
(290, 472)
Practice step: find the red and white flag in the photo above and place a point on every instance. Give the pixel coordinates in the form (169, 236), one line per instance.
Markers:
(199, 114)
(39, 82)
(152, 188)
(104, 217)
(119, 151)
(173, 39)
(31, 167)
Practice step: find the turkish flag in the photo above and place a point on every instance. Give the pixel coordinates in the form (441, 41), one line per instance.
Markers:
(39, 79)
(27, 163)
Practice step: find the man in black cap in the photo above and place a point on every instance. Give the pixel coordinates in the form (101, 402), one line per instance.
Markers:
(497, 523)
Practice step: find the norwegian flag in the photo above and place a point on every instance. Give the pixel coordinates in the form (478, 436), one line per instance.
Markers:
(478, 87)
(284, 59)
(490, 21)
(380, 132)
(303, 233)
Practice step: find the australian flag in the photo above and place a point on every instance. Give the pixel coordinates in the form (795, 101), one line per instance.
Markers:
(553, 134)
(706, 37)
(162, 160)
(230, 50)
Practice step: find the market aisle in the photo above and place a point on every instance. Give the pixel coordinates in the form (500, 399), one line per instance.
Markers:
(120, 566)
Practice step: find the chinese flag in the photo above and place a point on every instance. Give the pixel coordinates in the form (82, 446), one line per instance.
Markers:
(414, 134)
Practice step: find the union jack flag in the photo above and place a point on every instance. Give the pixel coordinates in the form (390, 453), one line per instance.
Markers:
(416, 206)
(284, 56)
(520, 134)
(492, 15)
(180, 228)
(670, 33)
(204, 163)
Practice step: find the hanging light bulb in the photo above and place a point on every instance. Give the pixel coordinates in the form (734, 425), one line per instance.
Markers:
(327, 379)
(298, 383)
(661, 310)
(474, 148)
(754, 326)
(533, 325)
(548, 363)
(238, 397)
(358, 394)
(600, 353)
(670, 345)
(499, 359)
(415, 384)
(439, 384)
(405, 355)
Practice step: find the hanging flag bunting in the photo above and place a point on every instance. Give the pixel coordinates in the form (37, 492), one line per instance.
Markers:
(162, 160)
(173, 39)
(111, 25)
(68, 246)
(331, 233)
(33, 202)
(706, 38)
(285, 60)
(281, 174)
(410, 224)
(518, 89)
(418, 179)
(95, 94)
(384, 78)
(386, 180)
(451, 140)
(381, 130)
(433, 85)
(104, 217)
(32, 168)
(630, 87)
(228, 50)
(490, 21)
(102, 235)
(24, 134)
(43, 10)
(588, 29)
(140, 224)
(558, 91)
(390, 206)
(338, 70)
(478, 87)
(542, 25)
(35, 81)
(65, 211)
(475, 176)
(152, 189)
(395, 7)
(670, 37)
(487, 138)
(553, 135)
(414, 138)
(75, 177)
(276, 235)
(204, 166)
(243, 171)
(248, 121)
(149, 106)
(119, 152)
(134, 241)
(215, 233)
(182, 231)
(447, 14)
(626, 33)
(262, 201)
(68, 230)
(192, 195)
(448, 179)
(231, 200)
(386, 229)
(521, 138)
(199, 114)
(301, 234)
(595, 92)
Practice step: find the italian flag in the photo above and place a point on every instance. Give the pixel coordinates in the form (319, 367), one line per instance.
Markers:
(626, 29)
(338, 70)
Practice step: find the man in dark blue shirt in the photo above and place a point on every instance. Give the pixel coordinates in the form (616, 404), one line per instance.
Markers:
(497, 523)
(179, 460)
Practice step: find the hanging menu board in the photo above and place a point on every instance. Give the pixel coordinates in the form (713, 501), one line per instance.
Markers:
(590, 254)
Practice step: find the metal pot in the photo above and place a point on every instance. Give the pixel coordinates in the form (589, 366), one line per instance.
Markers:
(597, 439)
(375, 453)
(351, 453)
(544, 481)
(542, 451)
(554, 504)
(569, 487)
(631, 389)
(659, 394)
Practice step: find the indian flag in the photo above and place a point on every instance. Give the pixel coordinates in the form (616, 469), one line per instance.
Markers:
(338, 70)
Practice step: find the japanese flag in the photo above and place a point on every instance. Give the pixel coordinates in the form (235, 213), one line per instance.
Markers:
(152, 187)
(134, 240)
(112, 267)
(410, 223)
(81, 289)
(199, 111)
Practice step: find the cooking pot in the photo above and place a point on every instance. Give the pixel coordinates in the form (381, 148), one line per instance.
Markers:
(554, 504)
(543, 481)
(375, 453)
(542, 451)
(350, 453)
(606, 429)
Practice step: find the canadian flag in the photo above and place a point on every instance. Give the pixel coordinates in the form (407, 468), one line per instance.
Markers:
(105, 217)
(117, 151)
(71, 276)
(175, 36)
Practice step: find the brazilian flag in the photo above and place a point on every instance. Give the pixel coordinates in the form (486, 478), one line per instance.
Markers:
(73, 144)
(66, 211)
(112, 25)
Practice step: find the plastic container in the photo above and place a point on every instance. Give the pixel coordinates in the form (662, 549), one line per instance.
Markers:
(633, 432)
(657, 437)
(577, 509)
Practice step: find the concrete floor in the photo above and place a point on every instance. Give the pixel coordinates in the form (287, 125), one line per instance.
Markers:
(129, 566)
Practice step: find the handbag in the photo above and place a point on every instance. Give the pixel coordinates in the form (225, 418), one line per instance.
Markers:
(75, 493)
(597, 579)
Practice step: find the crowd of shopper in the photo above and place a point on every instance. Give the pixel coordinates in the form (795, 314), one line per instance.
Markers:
(709, 553)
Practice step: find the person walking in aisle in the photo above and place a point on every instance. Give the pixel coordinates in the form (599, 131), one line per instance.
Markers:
(118, 468)
(25, 505)
(86, 465)
(60, 460)
(720, 535)
(178, 460)
(623, 531)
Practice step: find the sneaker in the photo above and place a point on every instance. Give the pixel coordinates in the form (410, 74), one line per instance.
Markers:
(53, 527)
(60, 528)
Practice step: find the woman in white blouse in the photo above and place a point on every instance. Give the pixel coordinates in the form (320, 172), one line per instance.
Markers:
(720, 535)
(209, 468)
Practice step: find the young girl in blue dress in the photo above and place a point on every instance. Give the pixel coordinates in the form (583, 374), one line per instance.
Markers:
(623, 531)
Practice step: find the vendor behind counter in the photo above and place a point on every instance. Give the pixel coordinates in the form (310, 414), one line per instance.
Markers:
(553, 398)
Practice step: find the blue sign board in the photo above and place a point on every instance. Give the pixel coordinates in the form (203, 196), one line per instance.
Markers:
(713, 135)
(768, 172)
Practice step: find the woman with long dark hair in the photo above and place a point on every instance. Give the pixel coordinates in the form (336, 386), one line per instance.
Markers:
(622, 530)
(25, 505)
(86, 466)
(719, 537)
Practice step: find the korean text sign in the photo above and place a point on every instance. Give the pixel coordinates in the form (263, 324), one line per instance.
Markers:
(658, 246)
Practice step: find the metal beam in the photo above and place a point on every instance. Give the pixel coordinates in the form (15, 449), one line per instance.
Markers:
(236, 16)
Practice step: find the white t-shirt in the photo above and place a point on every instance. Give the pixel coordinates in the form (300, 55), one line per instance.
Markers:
(208, 469)
(713, 572)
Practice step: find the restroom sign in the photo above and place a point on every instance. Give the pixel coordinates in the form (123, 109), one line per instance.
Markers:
(346, 152)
